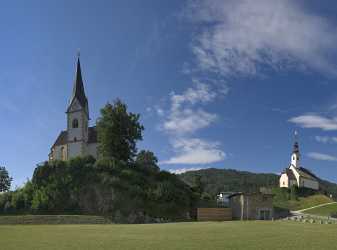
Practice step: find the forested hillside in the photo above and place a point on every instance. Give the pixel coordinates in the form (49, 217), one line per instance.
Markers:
(218, 180)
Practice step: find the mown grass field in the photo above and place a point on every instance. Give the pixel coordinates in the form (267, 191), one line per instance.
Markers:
(326, 210)
(195, 235)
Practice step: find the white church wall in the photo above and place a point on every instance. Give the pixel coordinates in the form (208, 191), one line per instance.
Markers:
(309, 184)
(284, 181)
(74, 149)
(60, 152)
(92, 149)
(75, 132)
(297, 175)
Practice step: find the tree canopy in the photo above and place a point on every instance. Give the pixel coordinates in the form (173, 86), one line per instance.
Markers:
(118, 132)
(5, 180)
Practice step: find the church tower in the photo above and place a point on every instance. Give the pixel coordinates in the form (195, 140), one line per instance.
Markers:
(295, 156)
(77, 117)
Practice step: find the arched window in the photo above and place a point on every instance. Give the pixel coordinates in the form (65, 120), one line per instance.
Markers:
(63, 154)
(75, 123)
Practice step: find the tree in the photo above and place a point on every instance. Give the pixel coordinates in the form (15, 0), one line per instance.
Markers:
(5, 180)
(147, 159)
(118, 131)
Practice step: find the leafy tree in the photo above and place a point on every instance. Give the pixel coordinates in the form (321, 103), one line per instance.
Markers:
(294, 191)
(147, 159)
(118, 131)
(199, 186)
(5, 180)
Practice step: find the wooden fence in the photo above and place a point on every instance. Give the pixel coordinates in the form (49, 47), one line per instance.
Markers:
(214, 214)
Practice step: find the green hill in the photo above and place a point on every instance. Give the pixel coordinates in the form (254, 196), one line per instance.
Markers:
(303, 202)
(230, 180)
(325, 210)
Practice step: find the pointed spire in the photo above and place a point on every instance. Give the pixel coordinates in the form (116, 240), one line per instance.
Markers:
(296, 148)
(78, 88)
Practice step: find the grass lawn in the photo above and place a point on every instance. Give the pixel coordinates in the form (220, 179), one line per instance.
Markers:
(195, 235)
(323, 211)
(304, 202)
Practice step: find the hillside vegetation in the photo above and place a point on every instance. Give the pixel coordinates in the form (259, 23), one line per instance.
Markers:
(217, 180)
(229, 180)
(123, 183)
(172, 236)
(327, 210)
(302, 202)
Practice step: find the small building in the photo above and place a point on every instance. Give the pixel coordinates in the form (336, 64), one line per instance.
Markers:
(297, 175)
(222, 199)
(252, 206)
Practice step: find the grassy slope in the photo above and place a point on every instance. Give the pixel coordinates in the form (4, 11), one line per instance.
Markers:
(187, 236)
(323, 211)
(303, 202)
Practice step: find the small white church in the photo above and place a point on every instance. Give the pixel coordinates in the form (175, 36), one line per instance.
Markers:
(297, 175)
(78, 139)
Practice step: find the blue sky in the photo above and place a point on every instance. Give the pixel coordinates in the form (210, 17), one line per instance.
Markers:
(218, 83)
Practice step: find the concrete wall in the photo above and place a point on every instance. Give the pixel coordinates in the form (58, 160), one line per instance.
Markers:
(250, 206)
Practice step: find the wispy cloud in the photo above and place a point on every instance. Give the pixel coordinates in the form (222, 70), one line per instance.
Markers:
(322, 157)
(183, 170)
(184, 119)
(315, 121)
(326, 139)
(241, 37)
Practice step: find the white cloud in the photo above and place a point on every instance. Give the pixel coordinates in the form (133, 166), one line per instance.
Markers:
(183, 170)
(195, 151)
(240, 37)
(200, 93)
(315, 121)
(326, 139)
(184, 117)
(323, 139)
(322, 157)
(188, 121)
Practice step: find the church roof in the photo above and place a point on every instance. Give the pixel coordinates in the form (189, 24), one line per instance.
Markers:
(62, 139)
(305, 173)
(78, 89)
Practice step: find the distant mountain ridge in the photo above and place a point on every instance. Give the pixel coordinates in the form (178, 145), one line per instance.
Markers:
(217, 180)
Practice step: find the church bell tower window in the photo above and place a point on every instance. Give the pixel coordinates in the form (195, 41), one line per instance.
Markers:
(75, 123)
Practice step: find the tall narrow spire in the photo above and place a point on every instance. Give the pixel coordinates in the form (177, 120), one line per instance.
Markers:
(78, 88)
(296, 148)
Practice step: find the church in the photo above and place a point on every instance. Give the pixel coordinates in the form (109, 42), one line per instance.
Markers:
(78, 139)
(297, 175)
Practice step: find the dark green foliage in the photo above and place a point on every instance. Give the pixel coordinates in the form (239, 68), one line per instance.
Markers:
(227, 180)
(294, 193)
(118, 131)
(147, 159)
(128, 192)
(5, 180)
(280, 194)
